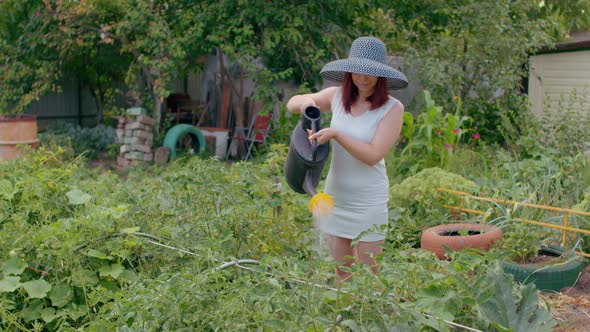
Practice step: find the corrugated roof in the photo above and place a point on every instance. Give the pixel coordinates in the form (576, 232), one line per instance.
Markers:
(579, 41)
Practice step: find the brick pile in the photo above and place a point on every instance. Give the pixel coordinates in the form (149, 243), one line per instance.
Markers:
(135, 133)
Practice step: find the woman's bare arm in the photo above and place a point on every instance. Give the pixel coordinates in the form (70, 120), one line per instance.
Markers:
(321, 100)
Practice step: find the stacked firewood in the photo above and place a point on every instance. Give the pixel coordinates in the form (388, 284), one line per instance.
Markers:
(135, 134)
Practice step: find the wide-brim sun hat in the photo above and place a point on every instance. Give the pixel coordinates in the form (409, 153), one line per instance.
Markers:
(368, 56)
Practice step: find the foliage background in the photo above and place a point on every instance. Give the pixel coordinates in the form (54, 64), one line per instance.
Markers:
(87, 249)
(457, 48)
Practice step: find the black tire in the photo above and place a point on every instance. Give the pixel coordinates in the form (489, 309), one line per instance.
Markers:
(553, 277)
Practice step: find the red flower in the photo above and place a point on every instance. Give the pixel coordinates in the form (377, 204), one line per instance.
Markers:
(476, 136)
(447, 146)
(438, 132)
(457, 130)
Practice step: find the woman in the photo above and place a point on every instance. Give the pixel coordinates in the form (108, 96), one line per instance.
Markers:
(366, 123)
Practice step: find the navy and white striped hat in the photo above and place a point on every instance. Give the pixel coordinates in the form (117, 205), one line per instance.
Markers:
(367, 56)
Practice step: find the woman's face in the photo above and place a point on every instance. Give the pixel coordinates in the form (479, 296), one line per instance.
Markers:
(365, 83)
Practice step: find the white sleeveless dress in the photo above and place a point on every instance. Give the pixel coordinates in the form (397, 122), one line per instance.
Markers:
(360, 191)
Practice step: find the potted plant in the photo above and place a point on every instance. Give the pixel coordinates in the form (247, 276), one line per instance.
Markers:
(531, 257)
(458, 236)
(480, 232)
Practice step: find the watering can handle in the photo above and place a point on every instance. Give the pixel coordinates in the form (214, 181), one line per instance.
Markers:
(314, 143)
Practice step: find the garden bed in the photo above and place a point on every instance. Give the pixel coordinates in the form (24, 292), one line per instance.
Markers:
(133, 240)
(571, 307)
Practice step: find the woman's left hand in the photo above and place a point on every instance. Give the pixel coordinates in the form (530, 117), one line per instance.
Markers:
(324, 135)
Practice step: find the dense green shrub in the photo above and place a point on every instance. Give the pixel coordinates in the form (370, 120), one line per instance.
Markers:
(419, 196)
(416, 203)
(88, 141)
(565, 123)
(74, 227)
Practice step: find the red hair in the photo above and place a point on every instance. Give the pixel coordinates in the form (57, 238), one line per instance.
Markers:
(350, 93)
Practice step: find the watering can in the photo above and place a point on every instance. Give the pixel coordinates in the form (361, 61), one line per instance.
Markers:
(305, 159)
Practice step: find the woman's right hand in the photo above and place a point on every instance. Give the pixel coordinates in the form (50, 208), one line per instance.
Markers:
(324, 135)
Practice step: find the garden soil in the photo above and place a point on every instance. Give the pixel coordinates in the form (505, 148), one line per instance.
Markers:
(571, 306)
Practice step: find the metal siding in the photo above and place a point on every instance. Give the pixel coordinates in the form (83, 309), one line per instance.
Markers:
(195, 86)
(64, 103)
(554, 78)
(66, 106)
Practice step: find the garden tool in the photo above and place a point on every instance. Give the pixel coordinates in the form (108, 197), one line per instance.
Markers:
(306, 159)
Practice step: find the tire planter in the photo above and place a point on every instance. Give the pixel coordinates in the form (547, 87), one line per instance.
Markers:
(179, 130)
(548, 277)
(480, 237)
(14, 132)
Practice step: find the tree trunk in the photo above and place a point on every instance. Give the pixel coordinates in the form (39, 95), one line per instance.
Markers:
(157, 114)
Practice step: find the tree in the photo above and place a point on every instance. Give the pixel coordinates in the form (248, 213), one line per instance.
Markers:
(156, 41)
(28, 67)
(99, 67)
(281, 40)
(476, 50)
(572, 15)
(148, 44)
(468, 48)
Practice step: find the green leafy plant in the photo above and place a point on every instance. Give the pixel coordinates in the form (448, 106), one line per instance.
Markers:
(416, 203)
(83, 140)
(418, 193)
(523, 312)
(199, 244)
(521, 241)
(433, 134)
(565, 123)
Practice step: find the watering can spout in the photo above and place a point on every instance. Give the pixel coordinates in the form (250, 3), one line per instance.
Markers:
(308, 185)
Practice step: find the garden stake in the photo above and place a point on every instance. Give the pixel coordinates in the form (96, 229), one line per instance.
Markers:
(565, 222)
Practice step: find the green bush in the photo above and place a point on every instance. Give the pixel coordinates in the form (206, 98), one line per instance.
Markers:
(415, 203)
(88, 141)
(521, 241)
(419, 197)
(565, 123)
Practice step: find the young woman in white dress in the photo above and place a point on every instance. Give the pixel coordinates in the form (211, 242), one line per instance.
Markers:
(366, 123)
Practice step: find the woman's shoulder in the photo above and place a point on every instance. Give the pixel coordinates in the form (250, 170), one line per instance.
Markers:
(391, 107)
(331, 93)
(333, 90)
(393, 103)
(328, 93)
(393, 100)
